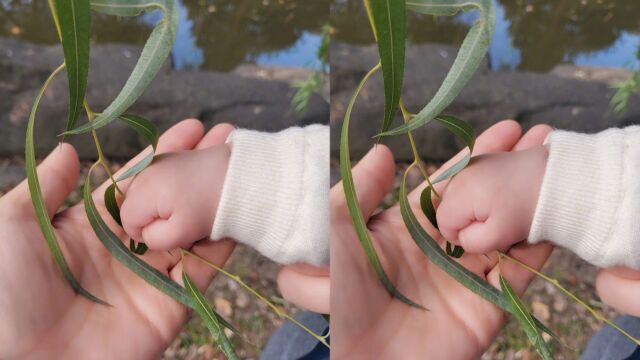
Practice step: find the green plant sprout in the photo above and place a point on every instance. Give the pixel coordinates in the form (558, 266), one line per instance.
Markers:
(624, 89)
(313, 83)
(72, 19)
(387, 20)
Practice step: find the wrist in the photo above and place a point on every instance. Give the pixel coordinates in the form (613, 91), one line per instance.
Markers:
(216, 169)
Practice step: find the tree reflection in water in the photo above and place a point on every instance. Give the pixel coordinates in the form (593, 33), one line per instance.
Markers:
(545, 32)
(229, 32)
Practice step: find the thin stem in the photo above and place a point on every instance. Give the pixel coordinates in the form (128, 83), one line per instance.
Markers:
(275, 308)
(406, 116)
(575, 298)
(101, 158)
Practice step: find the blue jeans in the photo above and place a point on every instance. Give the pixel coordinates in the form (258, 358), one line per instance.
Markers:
(609, 344)
(292, 343)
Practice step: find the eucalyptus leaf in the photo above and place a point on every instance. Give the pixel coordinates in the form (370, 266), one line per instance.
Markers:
(75, 21)
(207, 314)
(465, 132)
(453, 170)
(454, 251)
(389, 17)
(138, 249)
(438, 257)
(352, 201)
(141, 248)
(460, 128)
(143, 126)
(111, 203)
(524, 318)
(120, 252)
(426, 203)
(154, 53)
(48, 232)
(470, 55)
(137, 168)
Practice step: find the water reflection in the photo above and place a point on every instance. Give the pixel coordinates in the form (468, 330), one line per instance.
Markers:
(212, 34)
(530, 34)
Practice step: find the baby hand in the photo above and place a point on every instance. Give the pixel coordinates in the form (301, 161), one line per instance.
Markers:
(490, 205)
(173, 202)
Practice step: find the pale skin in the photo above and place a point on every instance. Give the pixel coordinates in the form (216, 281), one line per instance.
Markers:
(42, 318)
(366, 322)
(173, 203)
(41, 314)
(490, 206)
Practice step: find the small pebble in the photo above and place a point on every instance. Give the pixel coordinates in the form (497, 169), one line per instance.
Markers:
(223, 306)
(540, 310)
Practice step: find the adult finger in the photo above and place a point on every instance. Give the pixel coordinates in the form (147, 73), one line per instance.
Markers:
(620, 289)
(373, 177)
(216, 252)
(306, 286)
(216, 136)
(58, 175)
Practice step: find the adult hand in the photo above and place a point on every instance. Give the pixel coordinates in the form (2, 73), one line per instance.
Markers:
(42, 317)
(619, 287)
(366, 323)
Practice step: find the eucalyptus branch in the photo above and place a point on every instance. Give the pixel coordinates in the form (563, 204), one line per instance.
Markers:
(416, 155)
(574, 297)
(255, 293)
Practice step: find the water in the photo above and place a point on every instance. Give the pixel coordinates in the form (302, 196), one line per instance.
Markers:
(219, 35)
(534, 35)
(215, 35)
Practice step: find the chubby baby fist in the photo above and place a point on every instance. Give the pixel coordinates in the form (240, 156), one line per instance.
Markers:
(490, 205)
(173, 202)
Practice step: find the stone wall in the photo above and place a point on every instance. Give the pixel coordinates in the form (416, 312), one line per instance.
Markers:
(257, 98)
(574, 100)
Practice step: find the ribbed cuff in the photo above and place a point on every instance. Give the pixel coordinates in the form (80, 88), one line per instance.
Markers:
(581, 198)
(269, 190)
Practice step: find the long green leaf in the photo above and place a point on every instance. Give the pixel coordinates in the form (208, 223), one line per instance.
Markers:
(426, 204)
(465, 132)
(39, 206)
(120, 252)
(207, 314)
(472, 51)
(524, 318)
(389, 20)
(154, 53)
(428, 209)
(435, 254)
(75, 22)
(352, 200)
(147, 129)
(111, 203)
(137, 168)
(143, 126)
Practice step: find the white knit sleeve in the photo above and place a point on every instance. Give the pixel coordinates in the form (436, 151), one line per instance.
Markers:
(590, 196)
(275, 196)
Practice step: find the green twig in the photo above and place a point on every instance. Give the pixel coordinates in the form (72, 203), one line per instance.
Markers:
(574, 297)
(275, 308)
